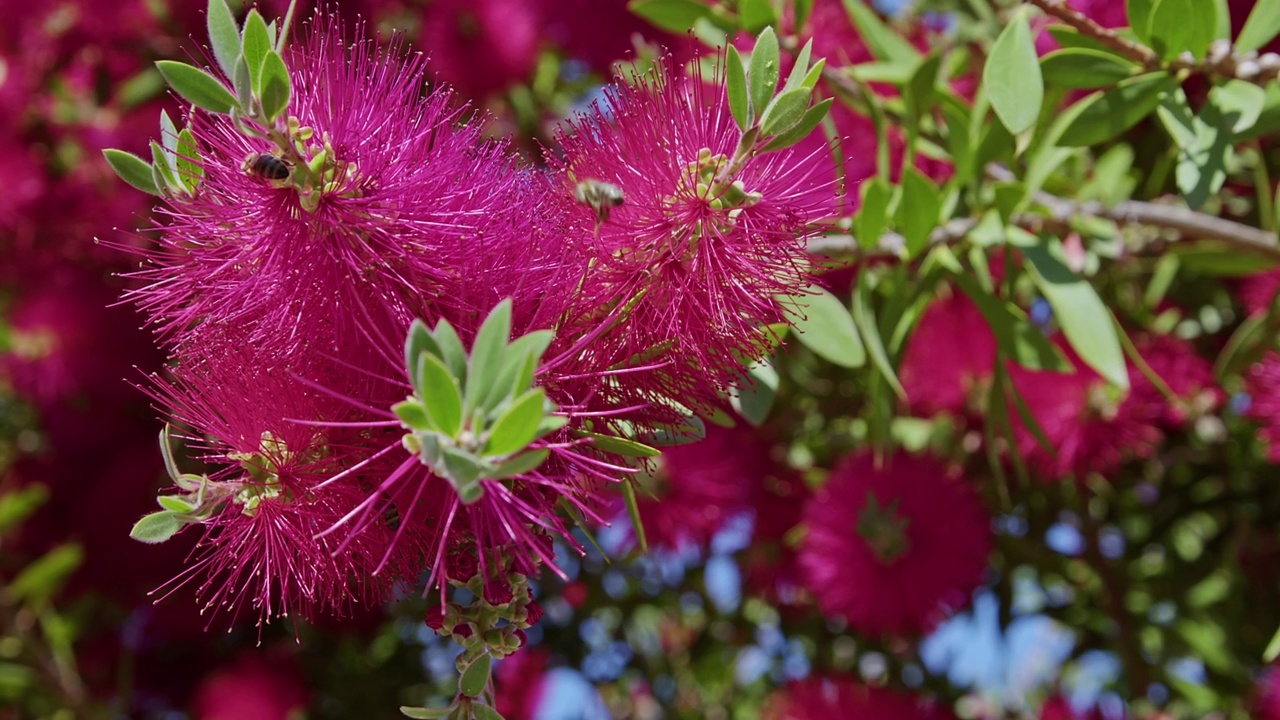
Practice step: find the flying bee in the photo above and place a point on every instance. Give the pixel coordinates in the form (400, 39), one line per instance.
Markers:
(266, 166)
(600, 196)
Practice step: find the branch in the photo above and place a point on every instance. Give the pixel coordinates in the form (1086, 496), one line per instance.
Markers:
(1220, 60)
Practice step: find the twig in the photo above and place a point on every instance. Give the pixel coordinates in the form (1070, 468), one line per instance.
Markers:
(1220, 60)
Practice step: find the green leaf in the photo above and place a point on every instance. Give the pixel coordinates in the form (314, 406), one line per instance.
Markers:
(1104, 115)
(520, 365)
(41, 579)
(883, 42)
(755, 391)
(1083, 69)
(418, 341)
(919, 209)
(197, 86)
(1239, 102)
(451, 350)
(633, 512)
(802, 10)
(784, 111)
(1273, 648)
(1022, 341)
(873, 213)
(484, 712)
(1216, 259)
(756, 15)
(242, 83)
(176, 504)
(190, 168)
(488, 352)
(162, 165)
(620, 446)
(762, 77)
(811, 119)
(462, 470)
(921, 89)
(1204, 144)
(1012, 76)
(276, 86)
(864, 318)
(520, 464)
(1182, 25)
(168, 132)
(476, 676)
(18, 505)
(1261, 27)
(257, 45)
(801, 68)
(1139, 14)
(1084, 318)
(413, 415)
(827, 329)
(736, 84)
(518, 426)
(676, 16)
(224, 36)
(440, 394)
(157, 527)
(423, 713)
(132, 169)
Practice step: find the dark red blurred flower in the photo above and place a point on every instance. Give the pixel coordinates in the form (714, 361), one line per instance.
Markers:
(1262, 382)
(949, 358)
(1266, 704)
(893, 549)
(520, 681)
(1056, 707)
(481, 47)
(846, 698)
(250, 689)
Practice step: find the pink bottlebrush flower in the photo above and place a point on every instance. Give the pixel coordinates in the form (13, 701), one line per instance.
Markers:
(1188, 375)
(847, 698)
(482, 47)
(950, 357)
(1093, 426)
(893, 549)
(698, 253)
(1262, 381)
(1266, 703)
(1257, 292)
(251, 688)
(700, 485)
(263, 502)
(521, 682)
(769, 564)
(599, 32)
(414, 189)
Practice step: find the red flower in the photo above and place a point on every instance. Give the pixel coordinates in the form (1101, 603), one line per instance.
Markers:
(818, 698)
(950, 356)
(893, 549)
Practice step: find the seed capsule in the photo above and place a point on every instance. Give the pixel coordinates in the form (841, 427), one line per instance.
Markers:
(266, 166)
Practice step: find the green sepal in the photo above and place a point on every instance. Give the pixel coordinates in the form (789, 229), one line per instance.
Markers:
(224, 36)
(476, 677)
(197, 86)
(520, 464)
(413, 415)
(518, 426)
(736, 86)
(132, 169)
(440, 394)
(276, 86)
(762, 78)
(157, 527)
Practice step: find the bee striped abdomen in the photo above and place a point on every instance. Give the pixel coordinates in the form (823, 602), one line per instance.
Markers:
(267, 166)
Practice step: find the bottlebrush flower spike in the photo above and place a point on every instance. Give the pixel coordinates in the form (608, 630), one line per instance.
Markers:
(893, 549)
(698, 234)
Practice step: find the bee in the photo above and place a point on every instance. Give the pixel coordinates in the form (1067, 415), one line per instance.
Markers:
(600, 196)
(266, 166)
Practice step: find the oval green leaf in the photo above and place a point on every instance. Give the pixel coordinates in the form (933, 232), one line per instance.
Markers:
(1083, 69)
(276, 87)
(1179, 26)
(197, 86)
(424, 713)
(256, 47)
(1012, 76)
(827, 329)
(132, 169)
(736, 86)
(224, 36)
(762, 77)
(677, 16)
(440, 394)
(518, 426)
(476, 676)
(1104, 115)
(1261, 27)
(785, 111)
(156, 527)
